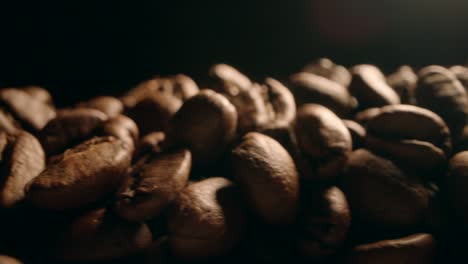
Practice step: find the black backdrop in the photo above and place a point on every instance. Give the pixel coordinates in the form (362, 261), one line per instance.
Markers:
(79, 49)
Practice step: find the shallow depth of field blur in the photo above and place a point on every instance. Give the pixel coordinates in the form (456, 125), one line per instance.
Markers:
(82, 49)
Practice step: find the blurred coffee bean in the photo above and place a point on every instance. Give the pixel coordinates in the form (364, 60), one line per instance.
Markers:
(99, 235)
(439, 91)
(370, 88)
(9, 260)
(8, 123)
(461, 72)
(326, 68)
(109, 105)
(417, 249)
(122, 128)
(40, 94)
(358, 133)
(206, 220)
(32, 113)
(280, 102)
(456, 184)
(228, 79)
(268, 178)
(22, 159)
(311, 88)
(154, 182)
(206, 124)
(179, 86)
(323, 222)
(380, 193)
(151, 143)
(69, 128)
(324, 140)
(81, 175)
(364, 116)
(404, 81)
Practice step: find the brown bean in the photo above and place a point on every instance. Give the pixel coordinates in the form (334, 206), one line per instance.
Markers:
(326, 68)
(109, 105)
(404, 81)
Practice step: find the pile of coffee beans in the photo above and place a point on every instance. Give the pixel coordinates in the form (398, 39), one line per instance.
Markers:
(333, 165)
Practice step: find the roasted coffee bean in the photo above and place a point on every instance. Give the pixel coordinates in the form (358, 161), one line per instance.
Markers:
(8, 123)
(324, 139)
(40, 94)
(81, 175)
(323, 223)
(206, 124)
(311, 88)
(439, 91)
(364, 116)
(381, 194)
(151, 143)
(154, 112)
(358, 133)
(22, 159)
(370, 88)
(280, 102)
(154, 182)
(268, 178)
(461, 72)
(326, 68)
(228, 79)
(180, 86)
(404, 82)
(456, 187)
(417, 249)
(109, 105)
(206, 220)
(29, 111)
(99, 235)
(9, 260)
(70, 127)
(122, 128)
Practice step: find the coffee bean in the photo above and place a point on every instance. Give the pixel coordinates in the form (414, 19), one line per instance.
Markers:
(8, 123)
(280, 102)
(268, 178)
(180, 86)
(311, 88)
(99, 235)
(81, 175)
(324, 221)
(206, 124)
(109, 105)
(39, 93)
(122, 128)
(69, 128)
(228, 80)
(326, 68)
(358, 133)
(9, 260)
(461, 72)
(153, 183)
(31, 112)
(206, 220)
(151, 143)
(404, 82)
(370, 88)
(380, 193)
(439, 91)
(456, 186)
(364, 116)
(417, 248)
(324, 139)
(22, 160)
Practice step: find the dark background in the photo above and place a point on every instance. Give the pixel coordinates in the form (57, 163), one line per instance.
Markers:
(79, 49)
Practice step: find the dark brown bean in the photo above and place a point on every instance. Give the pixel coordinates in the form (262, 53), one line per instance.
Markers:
(439, 91)
(206, 220)
(228, 79)
(370, 88)
(417, 249)
(31, 112)
(461, 72)
(39, 93)
(8, 123)
(22, 160)
(268, 178)
(326, 68)
(324, 222)
(311, 88)
(155, 181)
(122, 128)
(404, 82)
(281, 102)
(379, 193)
(81, 175)
(151, 143)
(98, 235)
(324, 139)
(70, 127)
(206, 124)
(109, 105)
